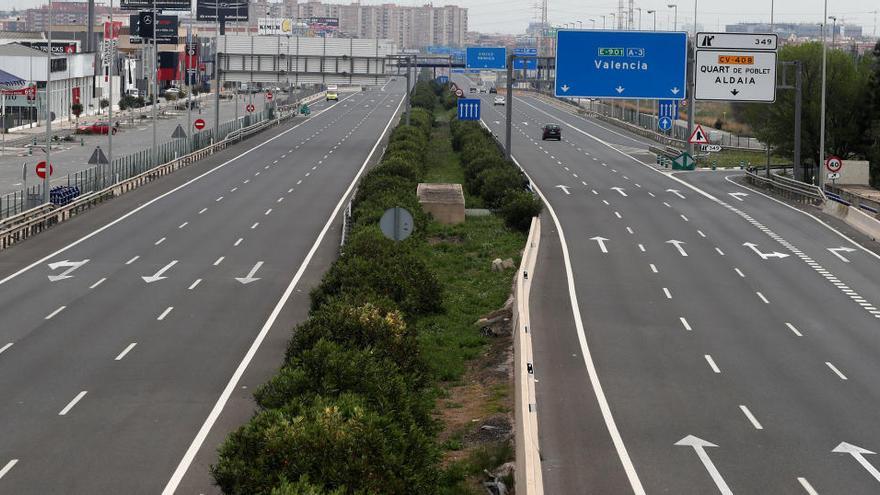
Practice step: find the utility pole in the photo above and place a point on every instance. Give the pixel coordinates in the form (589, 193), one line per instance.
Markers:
(768, 118)
(675, 22)
(821, 161)
(509, 106)
(48, 168)
(217, 84)
(186, 73)
(155, 98)
(110, 127)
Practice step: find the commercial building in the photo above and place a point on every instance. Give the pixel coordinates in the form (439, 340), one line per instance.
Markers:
(839, 31)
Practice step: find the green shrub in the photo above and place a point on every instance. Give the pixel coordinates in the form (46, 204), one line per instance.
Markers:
(376, 183)
(303, 487)
(408, 133)
(423, 119)
(399, 167)
(407, 145)
(497, 182)
(518, 208)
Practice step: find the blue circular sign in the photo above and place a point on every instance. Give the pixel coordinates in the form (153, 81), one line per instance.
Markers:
(664, 123)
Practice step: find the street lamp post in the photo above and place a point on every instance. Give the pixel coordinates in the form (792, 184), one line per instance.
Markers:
(675, 22)
(603, 21)
(822, 114)
(594, 23)
(613, 16)
(580, 24)
(640, 17)
(654, 15)
(833, 31)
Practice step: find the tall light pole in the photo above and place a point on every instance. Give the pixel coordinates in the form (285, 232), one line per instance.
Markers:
(833, 31)
(640, 17)
(48, 169)
(821, 161)
(603, 21)
(580, 24)
(675, 22)
(613, 16)
(654, 15)
(594, 22)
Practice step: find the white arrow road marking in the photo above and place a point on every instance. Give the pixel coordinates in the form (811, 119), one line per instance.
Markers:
(677, 245)
(859, 454)
(764, 256)
(835, 252)
(676, 192)
(699, 445)
(620, 190)
(738, 195)
(158, 275)
(601, 241)
(564, 189)
(71, 266)
(807, 486)
(250, 276)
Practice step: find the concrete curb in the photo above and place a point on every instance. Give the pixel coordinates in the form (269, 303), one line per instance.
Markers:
(528, 476)
(856, 219)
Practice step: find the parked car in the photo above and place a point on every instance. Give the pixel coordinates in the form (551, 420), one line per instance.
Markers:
(482, 89)
(181, 105)
(499, 100)
(551, 131)
(493, 90)
(172, 91)
(100, 127)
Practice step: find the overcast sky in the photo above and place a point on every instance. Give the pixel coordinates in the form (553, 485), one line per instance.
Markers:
(512, 16)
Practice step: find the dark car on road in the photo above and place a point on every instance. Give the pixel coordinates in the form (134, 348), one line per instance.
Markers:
(493, 90)
(551, 131)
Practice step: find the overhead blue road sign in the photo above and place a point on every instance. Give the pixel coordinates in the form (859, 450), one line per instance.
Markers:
(529, 63)
(526, 51)
(621, 64)
(664, 123)
(442, 79)
(486, 58)
(468, 109)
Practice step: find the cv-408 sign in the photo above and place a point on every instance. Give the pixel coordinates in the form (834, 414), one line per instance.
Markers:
(725, 72)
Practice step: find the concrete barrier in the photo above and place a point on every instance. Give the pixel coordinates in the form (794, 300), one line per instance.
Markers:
(528, 477)
(855, 218)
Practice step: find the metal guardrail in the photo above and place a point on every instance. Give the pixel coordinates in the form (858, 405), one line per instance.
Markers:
(788, 188)
(31, 222)
(850, 199)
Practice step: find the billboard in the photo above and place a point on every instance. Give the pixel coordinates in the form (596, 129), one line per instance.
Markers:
(166, 29)
(59, 47)
(274, 26)
(228, 10)
(322, 26)
(185, 5)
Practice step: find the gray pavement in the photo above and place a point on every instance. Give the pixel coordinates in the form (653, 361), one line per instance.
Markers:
(717, 366)
(108, 375)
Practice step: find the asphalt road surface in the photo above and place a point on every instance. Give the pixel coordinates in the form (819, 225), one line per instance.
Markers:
(691, 335)
(127, 330)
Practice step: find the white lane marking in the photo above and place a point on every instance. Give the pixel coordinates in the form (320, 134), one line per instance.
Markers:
(233, 189)
(606, 202)
(125, 351)
(267, 212)
(9, 465)
(684, 218)
(641, 248)
(836, 371)
(279, 200)
(246, 181)
(7, 346)
(751, 417)
(165, 313)
(202, 434)
(255, 225)
(299, 182)
(290, 190)
(630, 230)
(72, 403)
(584, 183)
(99, 282)
(762, 298)
(256, 174)
(719, 251)
(653, 268)
(701, 233)
(219, 260)
(594, 191)
(237, 242)
(638, 185)
(651, 194)
(793, 329)
(712, 363)
(160, 241)
(219, 198)
(668, 294)
(667, 204)
(132, 260)
(184, 224)
(53, 313)
(684, 323)
(194, 284)
(807, 486)
(202, 210)
(617, 214)
(739, 272)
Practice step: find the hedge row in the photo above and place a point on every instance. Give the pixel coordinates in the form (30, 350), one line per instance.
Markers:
(350, 410)
(499, 182)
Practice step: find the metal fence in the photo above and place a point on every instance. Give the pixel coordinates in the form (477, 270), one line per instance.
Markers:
(124, 167)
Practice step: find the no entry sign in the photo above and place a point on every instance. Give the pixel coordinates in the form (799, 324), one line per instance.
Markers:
(250, 107)
(41, 170)
(269, 96)
(199, 124)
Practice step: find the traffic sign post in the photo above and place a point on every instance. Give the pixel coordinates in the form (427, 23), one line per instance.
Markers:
(735, 67)
(621, 64)
(698, 136)
(469, 109)
(41, 170)
(486, 58)
(833, 164)
(250, 107)
(199, 124)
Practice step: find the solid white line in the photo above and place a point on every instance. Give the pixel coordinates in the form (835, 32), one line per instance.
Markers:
(684, 323)
(219, 260)
(7, 346)
(125, 351)
(762, 298)
(202, 210)
(72, 403)
(9, 465)
(712, 363)
(158, 198)
(653, 268)
(238, 242)
(160, 241)
(807, 486)
(99, 282)
(132, 260)
(793, 329)
(194, 284)
(202, 434)
(668, 294)
(165, 313)
(751, 417)
(835, 370)
(738, 272)
(53, 313)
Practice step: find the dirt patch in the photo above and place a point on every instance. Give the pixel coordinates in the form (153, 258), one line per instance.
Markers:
(452, 239)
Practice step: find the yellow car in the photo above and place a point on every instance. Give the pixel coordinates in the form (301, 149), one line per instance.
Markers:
(332, 95)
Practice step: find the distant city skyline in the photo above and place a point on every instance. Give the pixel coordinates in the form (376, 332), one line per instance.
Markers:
(513, 16)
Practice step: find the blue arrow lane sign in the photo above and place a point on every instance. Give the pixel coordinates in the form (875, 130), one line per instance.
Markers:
(469, 109)
(621, 64)
(486, 58)
(668, 113)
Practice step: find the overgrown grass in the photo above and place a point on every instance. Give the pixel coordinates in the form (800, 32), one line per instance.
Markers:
(486, 457)
(733, 159)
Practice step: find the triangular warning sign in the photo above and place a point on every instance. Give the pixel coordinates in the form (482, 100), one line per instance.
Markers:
(98, 157)
(698, 136)
(178, 132)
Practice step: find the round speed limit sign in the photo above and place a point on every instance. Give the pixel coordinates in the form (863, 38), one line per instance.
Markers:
(833, 164)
